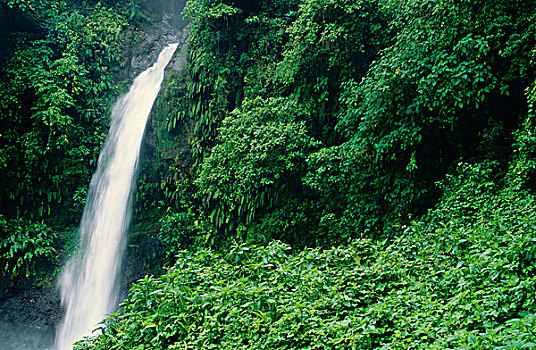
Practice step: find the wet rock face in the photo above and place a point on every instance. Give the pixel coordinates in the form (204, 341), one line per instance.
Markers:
(166, 25)
(168, 12)
(28, 318)
(143, 257)
(146, 53)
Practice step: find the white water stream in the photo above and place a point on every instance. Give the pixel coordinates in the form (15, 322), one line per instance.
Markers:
(87, 283)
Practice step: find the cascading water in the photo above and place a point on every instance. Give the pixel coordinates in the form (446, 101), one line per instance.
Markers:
(87, 283)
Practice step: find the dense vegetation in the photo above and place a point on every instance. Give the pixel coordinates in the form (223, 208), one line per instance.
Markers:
(452, 282)
(399, 131)
(360, 174)
(56, 84)
(320, 121)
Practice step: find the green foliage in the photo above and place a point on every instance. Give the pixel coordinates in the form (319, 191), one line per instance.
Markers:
(461, 279)
(293, 53)
(347, 183)
(24, 246)
(330, 42)
(22, 5)
(135, 12)
(54, 95)
(216, 43)
(450, 86)
(522, 173)
(177, 232)
(423, 85)
(260, 156)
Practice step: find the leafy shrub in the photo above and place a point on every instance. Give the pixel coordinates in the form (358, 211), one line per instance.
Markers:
(177, 232)
(24, 246)
(259, 161)
(423, 85)
(246, 60)
(443, 90)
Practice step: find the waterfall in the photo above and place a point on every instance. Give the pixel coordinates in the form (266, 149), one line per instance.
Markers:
(87, 283)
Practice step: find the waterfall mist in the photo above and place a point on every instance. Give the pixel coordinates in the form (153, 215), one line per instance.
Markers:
(88, 281)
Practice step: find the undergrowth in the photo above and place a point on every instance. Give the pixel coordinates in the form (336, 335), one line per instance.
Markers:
(462, 278)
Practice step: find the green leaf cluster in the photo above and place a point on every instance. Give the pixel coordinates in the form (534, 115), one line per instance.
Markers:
(450, 86)
(24, 246)
(259, 158)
